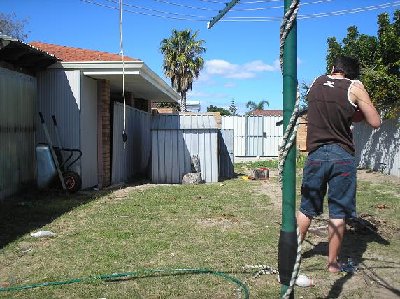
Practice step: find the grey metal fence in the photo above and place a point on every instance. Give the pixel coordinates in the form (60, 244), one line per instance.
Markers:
(132, 158)
(176, 139)
(17, 131)
(254, 136)
(379, 149)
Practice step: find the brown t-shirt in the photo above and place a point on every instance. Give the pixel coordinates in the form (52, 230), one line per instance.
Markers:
(330, 113)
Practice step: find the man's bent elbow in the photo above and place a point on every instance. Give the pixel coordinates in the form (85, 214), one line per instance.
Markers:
(375, 123)
(376, 126)
(373, 118)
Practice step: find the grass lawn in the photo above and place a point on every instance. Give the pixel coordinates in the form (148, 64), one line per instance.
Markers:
(154, 232)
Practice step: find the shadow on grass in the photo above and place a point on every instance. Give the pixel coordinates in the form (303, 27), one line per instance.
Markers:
(31, 210)
(337, 287)
(374, 277)
(354, 246)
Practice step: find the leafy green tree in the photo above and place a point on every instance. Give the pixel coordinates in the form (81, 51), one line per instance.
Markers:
(303, 90)
(232, 108)
(222, 111)
(379, 58)
(10, 25)
(182, 60)
(252, 106)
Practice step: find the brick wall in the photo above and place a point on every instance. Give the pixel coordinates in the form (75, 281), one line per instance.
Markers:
(104, 136)
(165, 110)
(143, 104)
(302, 134)
(130, 99)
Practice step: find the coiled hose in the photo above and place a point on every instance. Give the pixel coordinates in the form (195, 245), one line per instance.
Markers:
(137, 274)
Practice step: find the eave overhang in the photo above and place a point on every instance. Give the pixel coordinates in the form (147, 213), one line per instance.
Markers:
(139, 79)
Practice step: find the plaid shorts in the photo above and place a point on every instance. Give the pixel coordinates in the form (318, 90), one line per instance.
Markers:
(332, 168)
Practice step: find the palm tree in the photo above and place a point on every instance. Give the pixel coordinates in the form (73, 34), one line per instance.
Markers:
(182, 60)
(259, 106)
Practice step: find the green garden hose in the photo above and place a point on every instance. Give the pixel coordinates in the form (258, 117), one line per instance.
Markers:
(137, 274)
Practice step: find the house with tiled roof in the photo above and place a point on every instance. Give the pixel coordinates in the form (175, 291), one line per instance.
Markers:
(66, 54)
(259, 112)
(102, 105)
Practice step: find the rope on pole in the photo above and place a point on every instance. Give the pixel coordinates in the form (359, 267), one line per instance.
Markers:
(288, 138)
(287, 24)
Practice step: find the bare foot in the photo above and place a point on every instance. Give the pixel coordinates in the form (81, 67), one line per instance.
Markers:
(334, 267)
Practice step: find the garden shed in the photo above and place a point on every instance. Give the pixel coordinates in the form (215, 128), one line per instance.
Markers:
(19, 65)
(176, 140)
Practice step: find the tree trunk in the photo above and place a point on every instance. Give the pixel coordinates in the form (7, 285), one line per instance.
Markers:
(183, 102)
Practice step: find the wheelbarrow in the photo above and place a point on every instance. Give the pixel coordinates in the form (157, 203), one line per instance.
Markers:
(53, 161)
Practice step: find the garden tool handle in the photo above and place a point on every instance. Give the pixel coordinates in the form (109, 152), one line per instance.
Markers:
(54, 120)
(41, 117)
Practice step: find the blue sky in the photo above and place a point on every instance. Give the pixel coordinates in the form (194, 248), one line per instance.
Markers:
(242, 56)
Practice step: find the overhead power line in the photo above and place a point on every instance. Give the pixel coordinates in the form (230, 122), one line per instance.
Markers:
(183, 5)
(315, 15)
(350, 11)
(188, 12)
(280, 6)
(143, 13)
(159, 11)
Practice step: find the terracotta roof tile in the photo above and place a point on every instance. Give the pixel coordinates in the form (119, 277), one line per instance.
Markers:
(267, 112)
(67, 54)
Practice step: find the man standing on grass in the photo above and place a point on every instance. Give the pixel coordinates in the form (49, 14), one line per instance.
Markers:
(334, 102)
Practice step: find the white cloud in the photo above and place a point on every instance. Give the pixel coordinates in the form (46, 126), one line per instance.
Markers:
(229, 85)
(259, 66)
(241, 75)
(204, 80)
(193, 94)
(248, 70)
(220, 67)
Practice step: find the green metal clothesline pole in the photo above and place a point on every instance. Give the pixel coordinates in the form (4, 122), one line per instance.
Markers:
(288, 237)
(221, 13)
(288, 228)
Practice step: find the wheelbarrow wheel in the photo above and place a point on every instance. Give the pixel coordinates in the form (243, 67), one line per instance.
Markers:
(72, 180)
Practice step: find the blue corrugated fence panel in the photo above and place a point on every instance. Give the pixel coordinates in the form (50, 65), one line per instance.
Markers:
(176, 139)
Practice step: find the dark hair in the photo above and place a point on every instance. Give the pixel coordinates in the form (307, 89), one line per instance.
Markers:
(349, 66)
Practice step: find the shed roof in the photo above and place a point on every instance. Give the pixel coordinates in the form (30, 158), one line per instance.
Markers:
(20, 54)
(69, 54)
(183, 122)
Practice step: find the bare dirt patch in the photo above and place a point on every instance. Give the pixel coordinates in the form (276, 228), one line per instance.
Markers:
(220, 222)
(377, 272)
(377, 177)
(125, 190)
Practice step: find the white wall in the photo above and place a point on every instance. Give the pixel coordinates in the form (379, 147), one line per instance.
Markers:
(88, 132)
